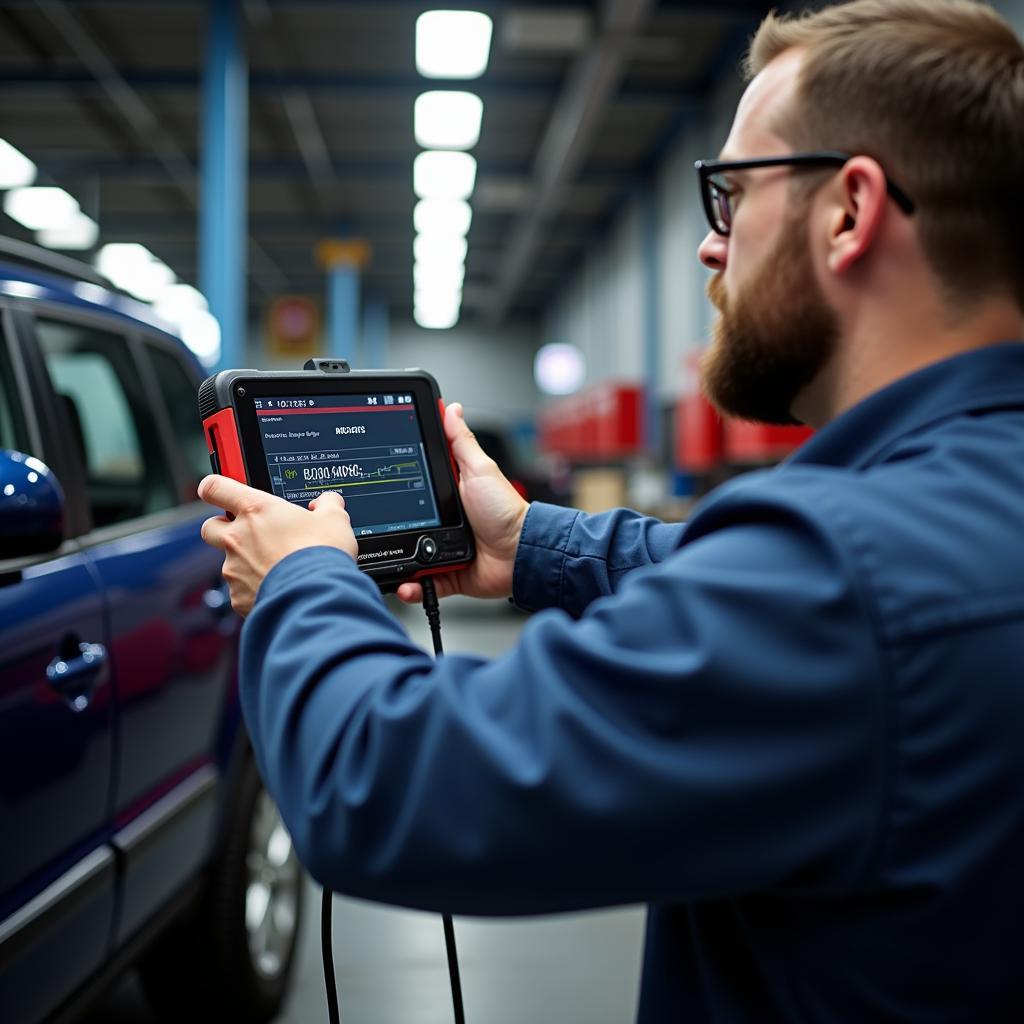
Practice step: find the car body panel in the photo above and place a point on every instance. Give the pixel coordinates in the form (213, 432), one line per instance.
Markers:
(55, 762)
(56, 767)
(172, 652)
(108, 813)
(55, 941)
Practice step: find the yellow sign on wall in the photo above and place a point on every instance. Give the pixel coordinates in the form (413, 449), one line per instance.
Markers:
(343, 252)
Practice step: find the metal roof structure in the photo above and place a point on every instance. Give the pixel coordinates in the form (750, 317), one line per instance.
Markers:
(580, 102)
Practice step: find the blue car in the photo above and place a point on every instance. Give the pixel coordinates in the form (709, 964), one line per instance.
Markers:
(134, 829)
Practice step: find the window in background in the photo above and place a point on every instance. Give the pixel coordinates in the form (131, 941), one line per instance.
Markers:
(180, 397)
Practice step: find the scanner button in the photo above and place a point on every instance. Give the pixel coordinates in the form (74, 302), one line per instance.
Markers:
(428, 549)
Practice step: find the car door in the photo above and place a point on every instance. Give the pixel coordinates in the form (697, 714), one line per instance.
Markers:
(57, 723)
(172, 631)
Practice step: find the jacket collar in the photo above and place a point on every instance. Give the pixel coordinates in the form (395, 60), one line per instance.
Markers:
(985, 378)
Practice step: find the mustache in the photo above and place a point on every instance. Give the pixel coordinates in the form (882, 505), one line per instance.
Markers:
(716, 292)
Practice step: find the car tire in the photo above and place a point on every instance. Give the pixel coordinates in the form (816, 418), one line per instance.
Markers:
(232, 957)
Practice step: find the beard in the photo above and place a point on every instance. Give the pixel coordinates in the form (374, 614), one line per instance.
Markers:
(774, 338)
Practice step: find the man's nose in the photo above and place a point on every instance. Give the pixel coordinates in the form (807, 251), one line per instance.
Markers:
(713, 251)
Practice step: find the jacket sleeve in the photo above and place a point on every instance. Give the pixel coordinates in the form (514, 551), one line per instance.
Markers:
(566, 558)
(711, 729)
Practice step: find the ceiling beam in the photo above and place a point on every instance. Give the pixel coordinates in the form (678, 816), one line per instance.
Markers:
(298, 107)
(270, 221)
(414, 5)
(571, 130)
(145, 124)
(147, 170)
(544, 87)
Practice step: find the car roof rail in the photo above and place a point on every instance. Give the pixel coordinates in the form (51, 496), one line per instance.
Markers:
(14, 251)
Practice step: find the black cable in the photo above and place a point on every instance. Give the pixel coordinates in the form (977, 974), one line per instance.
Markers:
(430, 606)
(325, 943)
(453, 968)
(433, 610)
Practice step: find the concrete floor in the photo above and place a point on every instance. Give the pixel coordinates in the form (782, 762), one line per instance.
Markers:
(390, 964)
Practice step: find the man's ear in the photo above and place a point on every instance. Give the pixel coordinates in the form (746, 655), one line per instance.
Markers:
(857, 208)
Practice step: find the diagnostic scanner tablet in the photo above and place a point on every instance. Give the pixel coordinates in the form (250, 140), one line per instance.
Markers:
(374, 436)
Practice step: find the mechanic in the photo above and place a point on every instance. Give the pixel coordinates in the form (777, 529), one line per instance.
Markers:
(792, 726)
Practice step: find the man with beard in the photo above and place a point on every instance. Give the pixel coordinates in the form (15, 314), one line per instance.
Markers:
(793, 725)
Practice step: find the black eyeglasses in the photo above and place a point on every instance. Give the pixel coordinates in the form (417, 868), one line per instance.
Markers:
(715, 193)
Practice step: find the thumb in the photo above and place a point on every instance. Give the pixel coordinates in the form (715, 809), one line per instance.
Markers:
(472, 459)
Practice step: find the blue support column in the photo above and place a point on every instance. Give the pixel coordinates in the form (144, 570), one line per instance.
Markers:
(343, 259)
(343, 312)
(223, 193)
(652, 319)
(376, 334)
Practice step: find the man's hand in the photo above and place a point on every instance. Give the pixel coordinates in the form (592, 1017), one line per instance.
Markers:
(496, 512)
(265, 529)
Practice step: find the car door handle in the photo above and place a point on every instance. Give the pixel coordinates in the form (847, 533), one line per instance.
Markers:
(75, 678)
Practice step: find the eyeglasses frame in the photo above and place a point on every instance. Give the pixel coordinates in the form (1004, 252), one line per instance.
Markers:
(824, 158)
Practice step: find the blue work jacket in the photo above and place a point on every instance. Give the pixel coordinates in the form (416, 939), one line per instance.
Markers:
(794, 726)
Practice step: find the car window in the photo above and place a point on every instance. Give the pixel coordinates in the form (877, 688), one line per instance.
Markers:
(101, 396)
(12, 434)
(180, 391)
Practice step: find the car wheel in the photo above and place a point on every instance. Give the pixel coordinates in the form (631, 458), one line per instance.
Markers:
(231, 959)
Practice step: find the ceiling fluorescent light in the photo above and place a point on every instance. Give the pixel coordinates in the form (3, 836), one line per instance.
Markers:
(16, 170)
(178, 300)
(442, 217)
(148, 280)
(447, 119)
(81, 233)
(115, 258)
(436, 320)
(439, 305)
(453, 44)
(439, 250)
(428, 276)
(443, 175)
(200, 330)
(41, 208)
(133, 268)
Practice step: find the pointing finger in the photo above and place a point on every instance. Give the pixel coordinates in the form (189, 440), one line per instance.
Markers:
(328, 500)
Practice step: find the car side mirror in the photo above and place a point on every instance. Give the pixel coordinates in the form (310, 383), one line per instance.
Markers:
(31, 506)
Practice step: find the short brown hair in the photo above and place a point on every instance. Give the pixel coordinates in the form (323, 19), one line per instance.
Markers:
(934, 90)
